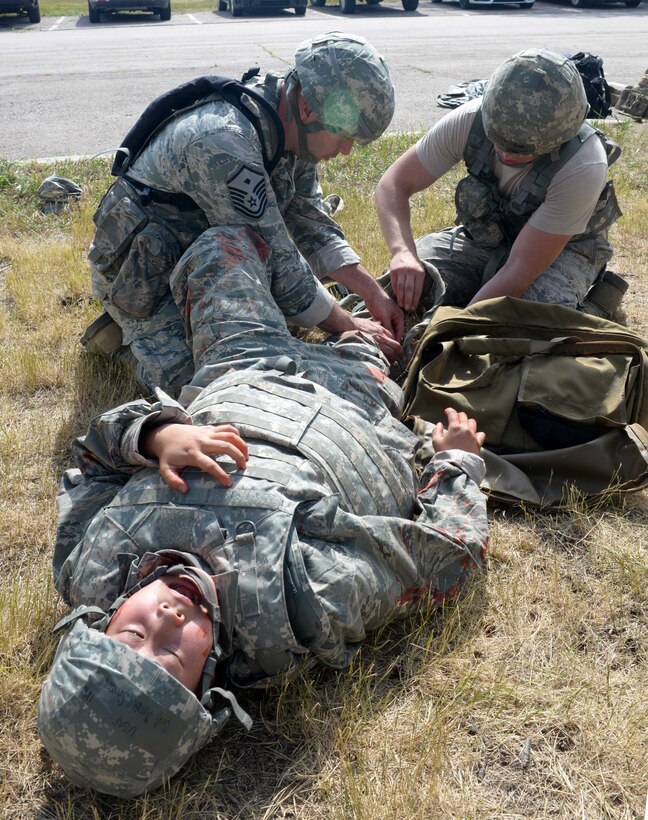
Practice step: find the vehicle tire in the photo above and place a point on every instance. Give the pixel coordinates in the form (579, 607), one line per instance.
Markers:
(437, 1)
(237, 8)
(93, 14)
(347, 6)
(632, 4)
(465, 4)
(410, 5)
(165, 14)
(34, 14)
(300, 11)
(317, 3)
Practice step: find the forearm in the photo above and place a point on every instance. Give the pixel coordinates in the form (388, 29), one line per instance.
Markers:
(338, 321)
(318, 236)
(111, 445)
(531, 254)
(357, 279)
(394, 213)
(509, 281)
(399, 183)
(384, 567)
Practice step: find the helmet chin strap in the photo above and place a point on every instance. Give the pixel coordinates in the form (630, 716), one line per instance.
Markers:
(302, 128)
(135, 582)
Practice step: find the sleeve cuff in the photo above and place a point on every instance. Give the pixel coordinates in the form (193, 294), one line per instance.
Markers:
(469, 463)
(165, 411)
(317, 311)
(335, 254)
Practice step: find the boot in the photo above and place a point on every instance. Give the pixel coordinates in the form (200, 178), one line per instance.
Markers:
(605, 295)
(104, 335)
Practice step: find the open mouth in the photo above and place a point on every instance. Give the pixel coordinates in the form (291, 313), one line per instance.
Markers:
(186, 587)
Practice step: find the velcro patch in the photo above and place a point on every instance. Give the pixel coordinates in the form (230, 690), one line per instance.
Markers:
(247, 192)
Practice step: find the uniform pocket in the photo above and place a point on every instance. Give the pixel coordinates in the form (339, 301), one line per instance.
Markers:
(144, 274)
(115, 231)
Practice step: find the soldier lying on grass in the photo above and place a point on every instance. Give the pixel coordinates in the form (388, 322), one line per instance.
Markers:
(193, 576)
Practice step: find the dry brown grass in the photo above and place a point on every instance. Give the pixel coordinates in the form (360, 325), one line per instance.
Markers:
(526, 698)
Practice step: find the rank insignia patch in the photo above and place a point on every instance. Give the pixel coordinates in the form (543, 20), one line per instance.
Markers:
(247, 191)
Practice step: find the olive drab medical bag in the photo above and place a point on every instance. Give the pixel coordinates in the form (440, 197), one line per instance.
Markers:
(560, 394)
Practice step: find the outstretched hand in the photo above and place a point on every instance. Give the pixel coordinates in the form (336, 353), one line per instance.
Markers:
(461, 433)
(177, 446)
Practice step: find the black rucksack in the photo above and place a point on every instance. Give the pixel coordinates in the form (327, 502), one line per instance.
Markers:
(597, 90)
(188, 95)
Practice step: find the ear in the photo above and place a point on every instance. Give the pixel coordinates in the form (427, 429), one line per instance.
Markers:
(305, 114)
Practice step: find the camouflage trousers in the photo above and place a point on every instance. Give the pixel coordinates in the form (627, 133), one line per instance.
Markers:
(223, 286)
(461, 264)
(155, 347)
(134, 250)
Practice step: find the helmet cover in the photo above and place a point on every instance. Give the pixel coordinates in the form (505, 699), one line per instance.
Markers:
(118, 722)
(115, 721)
(534, 102)
(347, 85)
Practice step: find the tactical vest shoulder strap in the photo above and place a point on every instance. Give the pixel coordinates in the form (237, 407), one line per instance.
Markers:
(478, 150)
(612, 150)
(190, 95)
(534, 187)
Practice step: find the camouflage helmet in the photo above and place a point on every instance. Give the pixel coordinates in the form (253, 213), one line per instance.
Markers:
(347, 85)
(534, 102)
(118, 722)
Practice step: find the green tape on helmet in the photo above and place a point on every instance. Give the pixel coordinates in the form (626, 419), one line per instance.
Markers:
(347, 85)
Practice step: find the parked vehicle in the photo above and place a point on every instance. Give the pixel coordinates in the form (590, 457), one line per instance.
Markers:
(98, 7)
(348, 6)
(17, 6)
(580, 4)
(474, 4)
(241, 7)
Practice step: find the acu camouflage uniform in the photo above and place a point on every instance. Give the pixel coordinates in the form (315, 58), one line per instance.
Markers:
(213, 155)
(325, 531)
(488, 223)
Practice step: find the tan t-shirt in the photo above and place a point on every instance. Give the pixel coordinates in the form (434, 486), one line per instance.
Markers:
(572, 193)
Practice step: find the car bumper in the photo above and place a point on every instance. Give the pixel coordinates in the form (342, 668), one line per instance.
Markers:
(128, 5)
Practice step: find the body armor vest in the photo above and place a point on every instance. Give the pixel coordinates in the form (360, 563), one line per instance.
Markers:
(491, 219)
(251, 527)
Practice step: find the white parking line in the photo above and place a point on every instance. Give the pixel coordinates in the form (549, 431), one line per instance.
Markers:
(195, 20)
(56, 24)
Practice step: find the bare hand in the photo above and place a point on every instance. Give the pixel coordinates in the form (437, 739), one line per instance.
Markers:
(407, 279)
(461, 434)
(177, 446)
(383, 338)
(384, 310)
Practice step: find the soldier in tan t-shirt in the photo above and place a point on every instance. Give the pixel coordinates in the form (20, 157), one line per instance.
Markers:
(534, 210)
